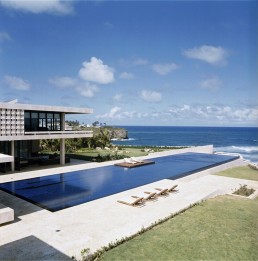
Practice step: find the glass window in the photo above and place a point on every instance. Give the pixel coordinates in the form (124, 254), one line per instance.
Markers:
(57, 116)
(42, 121)
(27, 121)
(42, 115)
(57, 121)
(34, 121)
(50, 115)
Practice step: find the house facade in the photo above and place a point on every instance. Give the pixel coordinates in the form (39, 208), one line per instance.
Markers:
(22, 126)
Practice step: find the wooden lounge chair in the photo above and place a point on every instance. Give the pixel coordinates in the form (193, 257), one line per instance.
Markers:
(146, 196)
(131, 201)
(171, 189)
(161, 192)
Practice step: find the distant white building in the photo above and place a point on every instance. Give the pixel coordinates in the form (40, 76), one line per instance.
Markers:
(23, 125)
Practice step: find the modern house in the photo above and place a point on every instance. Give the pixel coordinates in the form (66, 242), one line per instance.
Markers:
(22, 126)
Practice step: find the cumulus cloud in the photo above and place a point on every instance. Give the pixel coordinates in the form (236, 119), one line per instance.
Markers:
(4, 37)
(151, 96)
(140, 61)
(198, 114)
(212, 83)
(96, 71)
(117, 113)
(210, 54)
(83, 88)
(113, 113)
(126, 76)
(223, 114)
(118, 97)
(39, 6)
(63, 82)
(16, 83)
(165, 68)
(87, 90)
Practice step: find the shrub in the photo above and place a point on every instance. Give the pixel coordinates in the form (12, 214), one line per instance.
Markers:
(244, 191)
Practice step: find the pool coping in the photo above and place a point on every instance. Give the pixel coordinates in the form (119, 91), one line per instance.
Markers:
(63, 234)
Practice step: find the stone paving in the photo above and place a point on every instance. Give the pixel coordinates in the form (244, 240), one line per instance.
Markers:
(38, 234)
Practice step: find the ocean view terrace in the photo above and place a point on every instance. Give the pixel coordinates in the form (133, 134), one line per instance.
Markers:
(84, 222)
(128, 130)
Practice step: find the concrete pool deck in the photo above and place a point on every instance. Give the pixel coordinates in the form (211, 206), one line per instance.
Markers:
(38, 234)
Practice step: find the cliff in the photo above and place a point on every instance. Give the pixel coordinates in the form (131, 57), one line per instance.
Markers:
(118, 133)
(115, 133)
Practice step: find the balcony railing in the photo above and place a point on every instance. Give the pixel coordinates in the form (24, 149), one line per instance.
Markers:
(56, 132)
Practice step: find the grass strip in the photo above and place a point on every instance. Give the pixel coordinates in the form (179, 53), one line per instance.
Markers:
(244, 172)
(224, 228)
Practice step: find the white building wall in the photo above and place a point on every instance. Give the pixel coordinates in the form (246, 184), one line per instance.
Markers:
(11, 122)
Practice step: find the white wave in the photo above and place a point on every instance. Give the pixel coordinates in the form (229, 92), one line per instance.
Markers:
(246, 149)
(240, 149)
(130, 139)
(247, 152)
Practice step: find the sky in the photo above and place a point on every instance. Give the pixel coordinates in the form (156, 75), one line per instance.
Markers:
(164, 63)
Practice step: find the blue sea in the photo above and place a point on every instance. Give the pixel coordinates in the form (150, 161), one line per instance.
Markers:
(242, 140)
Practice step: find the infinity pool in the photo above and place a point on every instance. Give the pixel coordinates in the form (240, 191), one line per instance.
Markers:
(65, 190)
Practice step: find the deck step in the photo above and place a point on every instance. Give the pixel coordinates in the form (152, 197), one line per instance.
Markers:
(6, 214)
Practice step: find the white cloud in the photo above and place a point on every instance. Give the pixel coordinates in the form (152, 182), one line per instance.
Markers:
(215, 114)
(96, 71)
(212, 83)
(63, 82)
(165, 68)
(83, 88)
(118, 113)
(112, 114)
(140, 61)
(210, 54)
(197, 114)
(108, 25)
(118, 97)
(16, 83)
(87, 90)
(126, 76)
(4, 37)
(151, 96)
(39, 6)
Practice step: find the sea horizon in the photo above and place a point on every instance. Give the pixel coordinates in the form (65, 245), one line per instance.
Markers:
(240, 140)
(185, 126)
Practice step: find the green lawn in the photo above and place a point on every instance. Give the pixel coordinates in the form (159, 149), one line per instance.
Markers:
(129, 152)
(224, 228)
(121, 152)
(241, 173)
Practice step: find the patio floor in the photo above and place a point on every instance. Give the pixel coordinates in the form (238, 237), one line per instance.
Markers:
(43, 235)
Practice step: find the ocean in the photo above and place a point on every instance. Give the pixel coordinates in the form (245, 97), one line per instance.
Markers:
(242, 140)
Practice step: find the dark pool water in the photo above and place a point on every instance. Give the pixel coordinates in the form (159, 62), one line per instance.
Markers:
(65, 190)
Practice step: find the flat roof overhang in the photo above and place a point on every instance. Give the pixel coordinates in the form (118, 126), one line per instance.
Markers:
(44, 136)
(46, 108)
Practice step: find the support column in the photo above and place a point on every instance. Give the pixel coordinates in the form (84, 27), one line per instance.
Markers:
(62, 121)
(12, 154)
(62, 141)
(62, 151)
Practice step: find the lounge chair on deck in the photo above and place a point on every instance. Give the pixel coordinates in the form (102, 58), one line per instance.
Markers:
(137, 160)
(129, 160)
(171, 189)
(131, 201)
(146, 196)
(161, 192)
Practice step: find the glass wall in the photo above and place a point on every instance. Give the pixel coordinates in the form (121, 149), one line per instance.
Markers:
(41, 121)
